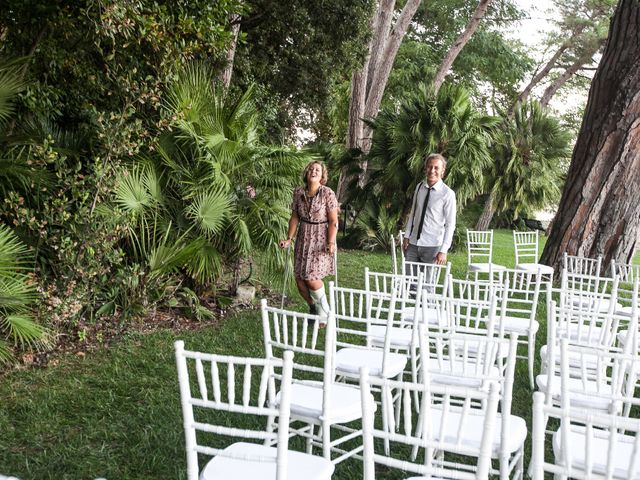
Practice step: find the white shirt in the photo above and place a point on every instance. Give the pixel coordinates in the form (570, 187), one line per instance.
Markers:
(440, 217)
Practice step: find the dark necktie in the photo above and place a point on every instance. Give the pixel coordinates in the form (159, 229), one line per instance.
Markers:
(424, 211)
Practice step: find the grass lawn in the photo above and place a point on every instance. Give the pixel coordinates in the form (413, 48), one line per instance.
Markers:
(115, 413)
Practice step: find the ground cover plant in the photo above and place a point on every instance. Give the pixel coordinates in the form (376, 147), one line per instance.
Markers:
(115, 412)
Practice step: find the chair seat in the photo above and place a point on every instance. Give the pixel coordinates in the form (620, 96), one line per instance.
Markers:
(594, 397)
(456, 373)
(485, 267)
(587, 302)
(623, 311)
(306, 401)
(301, 465)
(575, 359)
(348, 362)
(622, 453)
(519, 325)
(535, 267)
(434, 317)
(400, 337)
(473, 428)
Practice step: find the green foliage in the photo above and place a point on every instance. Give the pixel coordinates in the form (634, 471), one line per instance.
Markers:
(17, 297)
(295, 51)
(532, 154)
(447, 124)
(212, 193)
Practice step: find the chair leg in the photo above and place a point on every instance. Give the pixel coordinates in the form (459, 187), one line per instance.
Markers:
(310, 439)
(531, 351)
(270, 425)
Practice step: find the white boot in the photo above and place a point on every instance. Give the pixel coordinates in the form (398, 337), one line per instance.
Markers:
(322, 305)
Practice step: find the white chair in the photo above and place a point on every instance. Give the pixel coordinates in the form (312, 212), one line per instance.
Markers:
(597, 330)
(587, 445)
(434, 285)
(517, 311)
(241, 388)
(589, 292)
(526, 248)
(452, 425)
(474, 362)
(480, 254)
(328, 411)
(365, 338)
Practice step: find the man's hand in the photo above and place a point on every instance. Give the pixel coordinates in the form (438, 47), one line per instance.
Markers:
(405, 245)
(441, 258)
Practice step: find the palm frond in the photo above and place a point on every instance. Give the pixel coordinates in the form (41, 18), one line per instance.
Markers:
(209, 211)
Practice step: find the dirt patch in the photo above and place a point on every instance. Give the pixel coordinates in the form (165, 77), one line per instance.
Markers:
(88, 336)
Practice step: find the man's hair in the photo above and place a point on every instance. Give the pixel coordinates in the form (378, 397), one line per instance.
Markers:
(325, 173)
(435, 156)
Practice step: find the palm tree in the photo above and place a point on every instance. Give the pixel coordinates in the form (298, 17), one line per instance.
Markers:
(212, 193)
(531, 155)
(445, 123)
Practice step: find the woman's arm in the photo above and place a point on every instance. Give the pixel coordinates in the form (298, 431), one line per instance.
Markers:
(332, 231)
(293, 226)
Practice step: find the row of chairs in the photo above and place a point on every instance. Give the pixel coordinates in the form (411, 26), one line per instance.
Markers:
(583, 425)
(460, 360)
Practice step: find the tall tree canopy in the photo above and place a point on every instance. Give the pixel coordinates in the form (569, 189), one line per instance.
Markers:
(598, 213)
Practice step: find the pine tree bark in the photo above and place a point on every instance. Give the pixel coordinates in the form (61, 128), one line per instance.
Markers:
(459, 44)
(598, 213)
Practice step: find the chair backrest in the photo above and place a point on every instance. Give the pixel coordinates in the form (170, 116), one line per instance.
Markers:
(581, 265)
(526, 246)
(582, 326)
(479, 246)
(355, 317)
(590, 377)
(470, 307)
(522, 290)
(434, 275)
(587, 445)
(284, 330)
(588, 292)
(241, 387)
(629, 275)
(457, 410)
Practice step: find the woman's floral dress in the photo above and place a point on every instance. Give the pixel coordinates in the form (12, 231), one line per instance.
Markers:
(312, 261)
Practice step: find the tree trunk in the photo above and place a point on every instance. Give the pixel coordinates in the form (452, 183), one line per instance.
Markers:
(524, 95)
(569, 72)
(598, 213)
(231, 52)
(487, 214)
(367, 88)
(459, 44)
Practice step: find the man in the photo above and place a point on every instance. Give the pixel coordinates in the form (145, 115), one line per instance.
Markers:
(432, 220)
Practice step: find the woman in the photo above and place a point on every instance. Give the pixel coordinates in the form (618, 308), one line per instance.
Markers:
(315, 210)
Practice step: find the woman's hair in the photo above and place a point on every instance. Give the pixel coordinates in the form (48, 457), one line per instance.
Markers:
(325, 173)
